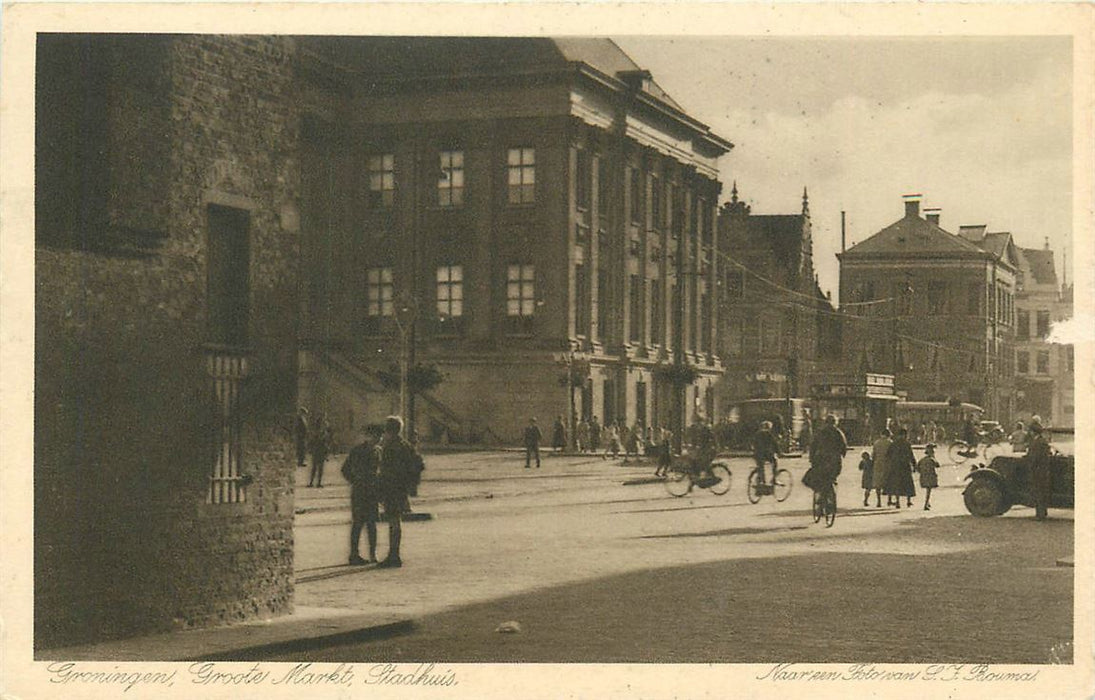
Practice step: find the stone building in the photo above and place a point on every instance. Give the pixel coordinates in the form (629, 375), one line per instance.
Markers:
(934, 309)
(1044, 370)
(166, 306)
(776, 322)
(502, 209)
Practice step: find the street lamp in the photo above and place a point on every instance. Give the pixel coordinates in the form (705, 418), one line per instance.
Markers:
(576, 366)
(405, 316)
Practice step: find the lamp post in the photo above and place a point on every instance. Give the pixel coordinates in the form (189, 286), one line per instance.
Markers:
(405, 316)
(576, 366)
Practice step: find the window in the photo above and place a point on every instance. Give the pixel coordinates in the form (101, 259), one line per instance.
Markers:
(974, 301)
(602, 187)
(1043, 362)
(602, 303)
(770, 336)
(450, 186)
(229, 290)
(635, 194)
(378, 296)
(635, 325)
(655, 203)
(1043, 324)
(450, 291)
(705, 323)
(520, 302)
(583, 180)
(735, 284)
(381, 180)
(657, 312)
(937, 297)
(734, 336)
(521, 175)
(1022, 330)
(581, 300)
(1022, 362)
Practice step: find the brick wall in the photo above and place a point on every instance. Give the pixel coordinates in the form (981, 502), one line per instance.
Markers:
(124, 412)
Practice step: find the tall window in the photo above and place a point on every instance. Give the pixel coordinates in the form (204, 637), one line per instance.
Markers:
(521, 175)
(228, 275)
(770, 336)
(1043, 362)
(735, 284)
(1022, 322)
(657, 312)
(450, 291)
(635, 325)
(1043, 324)
(378, 296)
(382, 180)
(635, 194)
(1022, 362)
(450, 185)
(705, 323)
(583, 175)
(655, 203)
(735, 335)
(520, 300)
(937, 297)
(581, 300)
(602, 303)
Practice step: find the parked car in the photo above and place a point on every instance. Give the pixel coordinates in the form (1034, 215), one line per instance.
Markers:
(1005, 482)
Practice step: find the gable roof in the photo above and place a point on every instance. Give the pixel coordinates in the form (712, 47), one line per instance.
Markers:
(608, 58)
(912, 235)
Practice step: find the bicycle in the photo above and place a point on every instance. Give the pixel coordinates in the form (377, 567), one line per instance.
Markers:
(825, 505)
(684, 474)
(780, 487)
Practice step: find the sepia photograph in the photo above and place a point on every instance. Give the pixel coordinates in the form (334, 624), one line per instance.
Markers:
(371, 360)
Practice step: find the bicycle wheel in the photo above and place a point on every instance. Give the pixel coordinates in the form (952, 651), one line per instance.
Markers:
(958, 451)
(830, 507)
(817, 507)
(678, 483)
(782, 487)
(720, 472)
(751, 487)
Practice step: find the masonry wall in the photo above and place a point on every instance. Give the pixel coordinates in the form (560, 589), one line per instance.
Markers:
(125, 414)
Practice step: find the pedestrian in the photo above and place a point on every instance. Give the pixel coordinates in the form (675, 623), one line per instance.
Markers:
(400, 472)
(650, 442)
(1018, 438)
(778, 432)
(533, 436)
(301, 433)
(595, 435)
(361, 469)
(806, 433)
(880, 467)
(320, 447)
(929, 474)
(611, 437)
(631, 442)
(1041, 470)
(899, 467)
(866, 465)
(559, 435)
(581, 436)
(664, 452)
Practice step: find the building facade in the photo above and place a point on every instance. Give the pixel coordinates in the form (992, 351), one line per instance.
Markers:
(1045, 373)
(166, 311)
(514, 212)
(934, 309)
(776, 323)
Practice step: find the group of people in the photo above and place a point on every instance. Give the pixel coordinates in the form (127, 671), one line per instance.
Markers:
(590, 437)
(888, 469)
(314, 441)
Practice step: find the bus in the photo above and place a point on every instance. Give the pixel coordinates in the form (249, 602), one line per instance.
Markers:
(949, 417)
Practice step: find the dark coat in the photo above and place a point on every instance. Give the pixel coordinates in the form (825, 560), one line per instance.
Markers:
(900, 462)
(361, 469)
(400, 471)
(1041, 473)
(866, 466)
(828, 449)
(533, 436)
(559, 436)
(765, 445)
(929, 476)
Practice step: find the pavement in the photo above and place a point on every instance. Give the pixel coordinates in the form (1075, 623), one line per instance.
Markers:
(496, 529)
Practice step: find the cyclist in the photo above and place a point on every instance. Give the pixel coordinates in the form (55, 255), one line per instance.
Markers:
(702, 439)
(826, 452)
(765, 449)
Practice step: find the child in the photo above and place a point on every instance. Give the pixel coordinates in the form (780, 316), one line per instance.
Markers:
(866, 465)
(929, 478)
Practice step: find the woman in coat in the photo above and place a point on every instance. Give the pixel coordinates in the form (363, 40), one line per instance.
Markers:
(900, 462)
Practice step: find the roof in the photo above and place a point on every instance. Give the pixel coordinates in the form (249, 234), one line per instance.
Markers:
(996, 243)
(912, 235)
(1040, 264)
(610, 59)
(972, 233)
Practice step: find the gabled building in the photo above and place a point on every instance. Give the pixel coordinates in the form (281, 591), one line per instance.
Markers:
(503, 208)
(934, 309)
(1044, 370)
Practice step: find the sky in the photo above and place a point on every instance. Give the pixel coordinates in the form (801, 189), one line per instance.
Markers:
(980, 126)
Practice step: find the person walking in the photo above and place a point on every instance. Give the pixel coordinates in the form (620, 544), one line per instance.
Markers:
(611, 437)
(929, 474)
(664, 452)
(806, 433)
(301, 434)
(595, 435)
(361, 469)
(559, 435)
(632, 438)
(866, 465)
(581, 437)
(880, 467)
(1041, 470)
(400, 472)
(320, 447)
(900, 463)
(533, 436)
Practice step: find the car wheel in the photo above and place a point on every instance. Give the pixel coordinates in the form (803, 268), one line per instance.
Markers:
(984, 498)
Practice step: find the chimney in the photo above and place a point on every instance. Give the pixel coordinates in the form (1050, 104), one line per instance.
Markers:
(843, 239)
(1047, 242)
(912, 206)
(932, 215)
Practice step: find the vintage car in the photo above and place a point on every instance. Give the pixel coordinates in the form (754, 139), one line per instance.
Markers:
(1005, 482)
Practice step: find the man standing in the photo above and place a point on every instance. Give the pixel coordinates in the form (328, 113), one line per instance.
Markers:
(400, 471)
(879, 456)
(806, 434)
(321, 447)
(360, 469)
(533, 436)
(300, 432)
(1041, 472)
